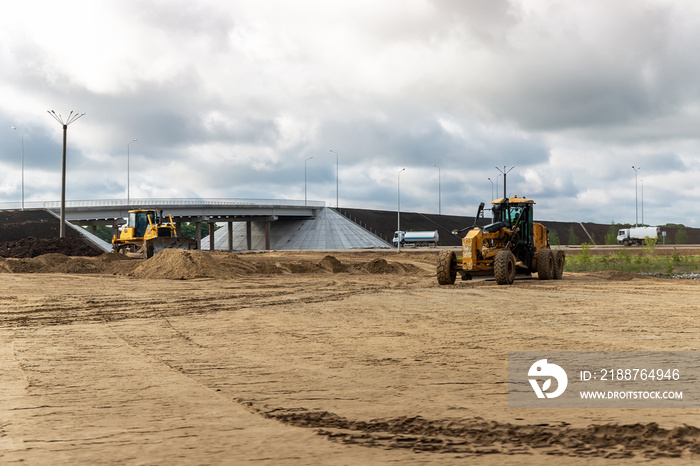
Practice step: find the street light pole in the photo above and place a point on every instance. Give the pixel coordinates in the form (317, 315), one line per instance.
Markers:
(22, 133)
(71, 118)
(504, 172)
(336, 178)
(305, 177)
(439, 191)
(398, 210)
(641, 181)
(491, 188)
(128, 172)
(636, 211)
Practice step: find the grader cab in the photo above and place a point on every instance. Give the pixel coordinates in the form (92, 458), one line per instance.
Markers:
(511, 243)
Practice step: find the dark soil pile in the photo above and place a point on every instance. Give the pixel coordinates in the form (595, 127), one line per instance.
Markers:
(107, 263)
(19, 224)
(33, 247)
(32, 233)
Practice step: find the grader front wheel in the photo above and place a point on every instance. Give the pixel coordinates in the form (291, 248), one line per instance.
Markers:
(504, 267)
(446, 268)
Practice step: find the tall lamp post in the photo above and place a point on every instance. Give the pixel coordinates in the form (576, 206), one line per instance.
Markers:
(398, 210)
(636, 210)
(22, 133)
(439, 191)
(504, 173)
(305, 177)
(491, 187)
(128, 172)
(641, 181)
(336, 178)
(71, 118)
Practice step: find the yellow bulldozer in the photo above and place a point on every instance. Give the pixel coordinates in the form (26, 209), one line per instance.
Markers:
(146, 233)
(511, 244)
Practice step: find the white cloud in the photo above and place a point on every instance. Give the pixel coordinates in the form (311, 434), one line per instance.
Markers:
(571, 93)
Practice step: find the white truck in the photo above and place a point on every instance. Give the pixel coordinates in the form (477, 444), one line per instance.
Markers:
(636, 235)
(416, 238)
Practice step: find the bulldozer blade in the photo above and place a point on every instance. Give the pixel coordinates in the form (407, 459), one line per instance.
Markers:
(156, 245)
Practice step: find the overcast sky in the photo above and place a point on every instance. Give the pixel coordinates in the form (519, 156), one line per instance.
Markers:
(228, 99)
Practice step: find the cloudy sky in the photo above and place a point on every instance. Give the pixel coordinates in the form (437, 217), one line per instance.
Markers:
(230, 99)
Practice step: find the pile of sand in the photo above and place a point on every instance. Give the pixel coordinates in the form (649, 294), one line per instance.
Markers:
(179, 264)
(333, 265)
(381, 266)
(269, 267)
(234, 263)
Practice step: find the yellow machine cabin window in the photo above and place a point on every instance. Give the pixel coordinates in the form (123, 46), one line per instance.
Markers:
(139, 221)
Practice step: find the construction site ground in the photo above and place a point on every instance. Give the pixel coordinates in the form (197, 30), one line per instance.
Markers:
(354, 357)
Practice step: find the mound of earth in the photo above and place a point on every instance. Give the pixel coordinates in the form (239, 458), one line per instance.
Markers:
(179, 264)
(333, 265)
(234, 263)
(107, 263)
(381, 266)
(19, 224)
(34, 247)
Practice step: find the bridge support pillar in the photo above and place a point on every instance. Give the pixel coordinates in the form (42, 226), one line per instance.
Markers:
(249, 235)
(267, 233)
(178, 228)
(115, 228)
(211, 235)
(229, 226)
(198, 234)
(93, 229)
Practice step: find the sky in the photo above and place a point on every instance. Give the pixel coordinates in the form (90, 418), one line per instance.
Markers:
(269, 99)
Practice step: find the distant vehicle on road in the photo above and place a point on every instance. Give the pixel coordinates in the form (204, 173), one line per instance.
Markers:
(416, 238)
(636, 235)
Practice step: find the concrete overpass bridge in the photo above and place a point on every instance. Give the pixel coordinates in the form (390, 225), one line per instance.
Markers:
(260, 223)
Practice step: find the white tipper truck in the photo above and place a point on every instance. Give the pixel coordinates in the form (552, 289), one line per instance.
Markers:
(636, 235)
(416, 238)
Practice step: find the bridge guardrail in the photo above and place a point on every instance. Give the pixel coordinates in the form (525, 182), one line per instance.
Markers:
(160, 202)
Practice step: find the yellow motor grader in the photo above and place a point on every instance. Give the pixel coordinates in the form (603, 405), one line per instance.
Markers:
(146, 233)
(511, 243)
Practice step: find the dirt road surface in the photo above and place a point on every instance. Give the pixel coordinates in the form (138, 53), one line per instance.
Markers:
(317, 358)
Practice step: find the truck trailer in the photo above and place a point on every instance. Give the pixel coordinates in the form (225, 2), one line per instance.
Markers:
(416, 238)
(637, 235)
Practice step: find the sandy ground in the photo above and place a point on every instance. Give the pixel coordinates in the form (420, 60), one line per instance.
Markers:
(294, 358)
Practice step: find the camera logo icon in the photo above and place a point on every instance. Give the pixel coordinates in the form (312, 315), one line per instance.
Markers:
(545, 371)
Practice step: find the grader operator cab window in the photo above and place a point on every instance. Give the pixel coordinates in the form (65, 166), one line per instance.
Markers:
(506, 214)
(513, 213)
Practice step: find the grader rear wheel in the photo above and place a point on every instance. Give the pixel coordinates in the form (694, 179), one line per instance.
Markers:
(504, 267)
(545, 264)
(446, 268)
(559, 259)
